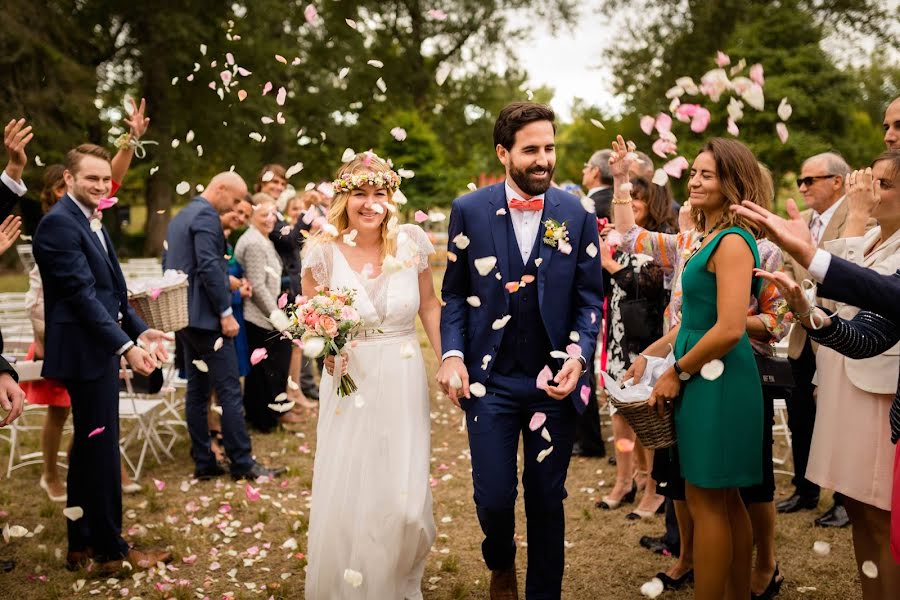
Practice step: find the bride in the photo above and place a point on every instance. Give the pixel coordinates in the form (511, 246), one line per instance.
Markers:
(371, 524)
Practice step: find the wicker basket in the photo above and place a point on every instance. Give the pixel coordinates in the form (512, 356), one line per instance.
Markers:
(652, 430)
(169, 312)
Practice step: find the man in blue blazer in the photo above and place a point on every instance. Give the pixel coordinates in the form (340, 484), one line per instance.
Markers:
(523, 292)
(195, 244)
(90, 326)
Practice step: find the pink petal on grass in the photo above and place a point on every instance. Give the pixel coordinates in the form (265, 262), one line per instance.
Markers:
(543, 377)
(160, 485)
(625, 445)
(252, 493)
(585, 394)
(282, 300)
(537, 421)
(573, 350)
(97, 431)
(421, 216)
(258, 355)
(647, 123)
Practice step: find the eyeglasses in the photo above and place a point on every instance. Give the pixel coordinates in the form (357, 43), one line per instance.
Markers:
(808, 181)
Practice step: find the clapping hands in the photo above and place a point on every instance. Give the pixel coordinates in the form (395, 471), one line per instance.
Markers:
(10, 230)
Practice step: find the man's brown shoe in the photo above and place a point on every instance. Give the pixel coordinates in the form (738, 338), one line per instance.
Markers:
(139, 559)
(78, 559)
(504, 585)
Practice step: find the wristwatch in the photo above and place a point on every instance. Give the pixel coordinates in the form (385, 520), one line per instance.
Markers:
(583, 362)
(682, 374)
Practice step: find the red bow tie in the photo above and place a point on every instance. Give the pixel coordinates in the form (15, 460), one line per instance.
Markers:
(536, 204)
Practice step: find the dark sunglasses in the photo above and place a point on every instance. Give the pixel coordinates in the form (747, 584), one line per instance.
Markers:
(808, 181)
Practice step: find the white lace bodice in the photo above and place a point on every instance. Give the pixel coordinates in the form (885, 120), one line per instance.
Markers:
(388, 302)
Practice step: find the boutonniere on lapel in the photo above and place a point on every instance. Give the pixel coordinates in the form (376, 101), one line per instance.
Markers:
(97, 217)
(557, 236)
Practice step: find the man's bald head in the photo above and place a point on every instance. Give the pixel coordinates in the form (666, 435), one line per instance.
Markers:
(225, 190)
(892, 125)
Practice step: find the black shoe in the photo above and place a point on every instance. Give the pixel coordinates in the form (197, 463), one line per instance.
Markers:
(797, 502)
(578, 450)
(772, 589)
(659, 546)
(835, 517)
(257, 471)
(210, 473)
(607, 503)
(675, 584)
(7, 565)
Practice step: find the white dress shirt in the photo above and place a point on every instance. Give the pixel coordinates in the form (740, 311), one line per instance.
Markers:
(16, 186)
(594, 190)
(824, 219)
(526, 223)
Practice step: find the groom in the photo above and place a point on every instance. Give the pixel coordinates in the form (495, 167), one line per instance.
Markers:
(525, 281)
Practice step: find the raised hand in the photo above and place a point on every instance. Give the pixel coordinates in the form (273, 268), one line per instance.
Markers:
(138, 123)
(790, 289)
(10, 230)
(791, 234)
(863, 193)
(621, 159)
(15, 137)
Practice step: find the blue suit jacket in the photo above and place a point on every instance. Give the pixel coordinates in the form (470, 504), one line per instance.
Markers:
(570, 287)
(84, 294)
(196, 246)
(862, 287)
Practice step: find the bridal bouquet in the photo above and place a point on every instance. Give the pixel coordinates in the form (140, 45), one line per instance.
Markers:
(325, 323)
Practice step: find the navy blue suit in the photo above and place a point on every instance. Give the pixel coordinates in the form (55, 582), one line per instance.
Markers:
(196, 245)
(88, 319)
(566, 296)
(862, 287)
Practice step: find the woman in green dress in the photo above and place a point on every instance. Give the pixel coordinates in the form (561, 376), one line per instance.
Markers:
(714, 382)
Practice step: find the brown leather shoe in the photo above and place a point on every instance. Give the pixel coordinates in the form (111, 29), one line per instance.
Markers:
(139, 559)
(78, 559)
(504, 585)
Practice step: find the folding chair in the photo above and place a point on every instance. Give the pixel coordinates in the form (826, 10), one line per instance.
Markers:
(781, 429)
(143, 410)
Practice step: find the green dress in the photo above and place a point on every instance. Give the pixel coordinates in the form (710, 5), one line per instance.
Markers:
(718, 423)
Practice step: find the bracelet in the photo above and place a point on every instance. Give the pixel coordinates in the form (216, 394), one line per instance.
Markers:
(623, 200)
(798, 315)
(126, 141)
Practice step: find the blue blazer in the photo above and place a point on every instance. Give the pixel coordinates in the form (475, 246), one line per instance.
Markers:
(570, 287)
(196, 246)
(84, 294)
(862, 287)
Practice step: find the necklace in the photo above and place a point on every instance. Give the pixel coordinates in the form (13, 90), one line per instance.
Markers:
(695, 248)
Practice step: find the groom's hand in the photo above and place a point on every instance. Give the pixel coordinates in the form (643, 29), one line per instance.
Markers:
(566, 379)
(450, 366)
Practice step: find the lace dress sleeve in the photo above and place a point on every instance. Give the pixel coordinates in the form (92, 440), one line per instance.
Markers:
(316, 258)
(420, 247)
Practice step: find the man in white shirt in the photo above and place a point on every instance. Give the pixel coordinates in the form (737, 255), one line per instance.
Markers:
(821, 182)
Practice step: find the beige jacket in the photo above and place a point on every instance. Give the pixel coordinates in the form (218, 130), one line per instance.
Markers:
(877, 375)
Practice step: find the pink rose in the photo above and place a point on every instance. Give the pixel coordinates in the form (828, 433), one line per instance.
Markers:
(348, 313)
(311, 319)
(329, 325)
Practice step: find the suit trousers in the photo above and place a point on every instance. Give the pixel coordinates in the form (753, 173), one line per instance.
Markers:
(267, 378)
(95, 479)
(495, 422)
(801, 405)
(222, 375)
(588, 432)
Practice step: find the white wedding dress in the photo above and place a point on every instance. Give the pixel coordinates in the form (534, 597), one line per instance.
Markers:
(371, 500)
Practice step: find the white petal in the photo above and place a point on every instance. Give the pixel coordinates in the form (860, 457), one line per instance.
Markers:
(559, 354)
(652, 588)
(546, 435)
(501, 211)
(348, 155)
(588, 204)
(477, 389)
(484, 361)
(822, 548)
(538, 261)
(201, 366)
(574, 336)
(292, 384)
(501, 322)
(375, 63)
(712, 370)
(785, 110)
(474, 301)
(17, 531)
(485, 264)
(591, 250)
(73, 513)
(282, 407)
(294, 169)
(216, 409)
(407, 350)
(870, 569)
(461, 241)
(660, 177)
(544, 453)
(455, 381)
(352, 577)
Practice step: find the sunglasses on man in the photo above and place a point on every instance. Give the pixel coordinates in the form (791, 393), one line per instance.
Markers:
(808, 181)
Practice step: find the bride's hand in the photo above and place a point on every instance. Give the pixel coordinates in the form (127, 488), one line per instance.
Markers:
(329, 364)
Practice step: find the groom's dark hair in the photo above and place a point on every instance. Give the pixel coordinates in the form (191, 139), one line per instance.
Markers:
(517, 115)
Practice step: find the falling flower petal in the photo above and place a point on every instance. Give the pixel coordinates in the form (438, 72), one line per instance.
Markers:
(484, 361)
(546, 434)
(474, 301)
(647, 123)
(311, 14)
(348, 155)
(281, 96)
(869, 569)
(160, 485)
(455, 381)
(381, 85)
(537, 419)
(585, 394)
(282, 300)
(282, 407)
(267, 88)
(183, 188)
(700, 120)
(512, 287)
(597, 124)
(591, 250)
(676, 166)
(543, 377)
(538, 261)
(73, 513)
(500, 323)
(350, 237)
(258, 355)
(733, 128)
(201, 366)
(756, 74)
(421, 216)
(573, 350)
(485, 264)
(218, 344)
(660, 177)
(354, 578)
(443, 71)
(624, 445)
(97, 431)
(722, 59)
(477, 389)
(782, 131)
(785, 110)
(544, 454)
(280, 58)
(663, 123)
(461, 241)
(437, 14)
(712, 370)
(559, 354)
(754, 97)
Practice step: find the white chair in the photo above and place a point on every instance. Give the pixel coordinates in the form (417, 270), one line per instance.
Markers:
(781, 430)
(144, 410)
(31, 419)
(26, 256)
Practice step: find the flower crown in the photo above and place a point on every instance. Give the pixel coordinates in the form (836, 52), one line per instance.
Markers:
(353, 181)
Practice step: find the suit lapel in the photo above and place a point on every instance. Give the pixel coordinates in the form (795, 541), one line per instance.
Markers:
(85, 224)
(497, 226)
(836, 223)
(545, 251)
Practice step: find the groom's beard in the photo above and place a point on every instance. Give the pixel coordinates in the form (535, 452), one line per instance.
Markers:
(530, 184)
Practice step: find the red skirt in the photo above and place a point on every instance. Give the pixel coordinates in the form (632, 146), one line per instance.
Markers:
(46, 392)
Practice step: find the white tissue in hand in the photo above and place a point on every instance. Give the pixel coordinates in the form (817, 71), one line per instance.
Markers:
(636, 392)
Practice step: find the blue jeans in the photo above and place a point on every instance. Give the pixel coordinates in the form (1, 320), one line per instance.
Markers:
(223, 376)
(495, 423)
